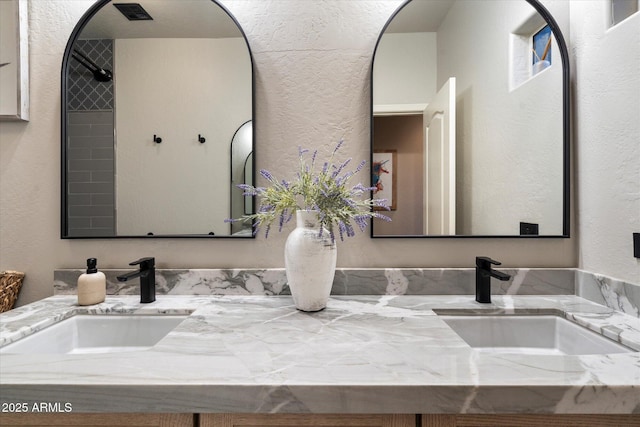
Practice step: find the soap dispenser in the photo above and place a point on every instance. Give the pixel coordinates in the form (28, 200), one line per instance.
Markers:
(92, 285)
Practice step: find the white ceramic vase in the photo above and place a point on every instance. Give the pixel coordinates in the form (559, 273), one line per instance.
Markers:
(310, 262)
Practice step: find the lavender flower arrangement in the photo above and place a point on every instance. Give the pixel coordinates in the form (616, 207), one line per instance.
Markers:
(326, 191)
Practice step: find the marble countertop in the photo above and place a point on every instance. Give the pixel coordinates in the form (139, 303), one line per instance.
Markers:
(363, 354)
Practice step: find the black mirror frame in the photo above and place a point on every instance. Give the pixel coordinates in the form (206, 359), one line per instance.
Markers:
(566, 132)
(63, 126)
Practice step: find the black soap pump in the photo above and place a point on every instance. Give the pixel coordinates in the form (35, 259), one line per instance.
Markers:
(92, 285)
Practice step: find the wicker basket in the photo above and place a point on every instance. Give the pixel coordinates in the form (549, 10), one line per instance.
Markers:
(10, 284)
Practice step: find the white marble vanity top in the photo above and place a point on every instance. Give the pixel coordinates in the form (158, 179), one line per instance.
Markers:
(363, 354)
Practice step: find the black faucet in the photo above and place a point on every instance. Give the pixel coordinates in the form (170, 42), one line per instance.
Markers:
(147, 274)
(484, 273)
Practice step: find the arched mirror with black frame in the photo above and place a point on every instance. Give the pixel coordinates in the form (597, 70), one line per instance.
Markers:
(152, 95)
(470, 120)
(242, 173)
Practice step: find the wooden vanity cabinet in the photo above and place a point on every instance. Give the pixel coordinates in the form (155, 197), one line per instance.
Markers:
(315, 420)
(425, 420)
(207, 420)
(300, 420)
(516, 420)
(97, 420)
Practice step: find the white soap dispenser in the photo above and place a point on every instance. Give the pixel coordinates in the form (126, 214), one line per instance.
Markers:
(92, 285)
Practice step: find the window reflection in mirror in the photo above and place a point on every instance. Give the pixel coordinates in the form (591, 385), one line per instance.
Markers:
(480, 141)
(135, 161)
(541, 50)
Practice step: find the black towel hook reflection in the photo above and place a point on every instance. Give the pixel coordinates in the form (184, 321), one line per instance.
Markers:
(157, 139)
(201, 139)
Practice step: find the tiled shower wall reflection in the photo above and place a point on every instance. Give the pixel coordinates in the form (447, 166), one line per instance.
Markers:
(90, 145)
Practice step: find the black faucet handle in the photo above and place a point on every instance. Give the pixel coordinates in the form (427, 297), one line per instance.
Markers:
(145, 263)
(486, 262)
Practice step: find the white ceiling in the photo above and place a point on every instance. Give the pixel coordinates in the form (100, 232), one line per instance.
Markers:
(420, 16)
(171, 19)
(205, 19)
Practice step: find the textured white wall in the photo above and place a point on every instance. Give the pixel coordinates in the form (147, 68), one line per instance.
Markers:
(312, 88)
(607, 131)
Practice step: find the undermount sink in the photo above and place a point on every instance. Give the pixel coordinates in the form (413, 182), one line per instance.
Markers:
(90, 333)
(530, 334)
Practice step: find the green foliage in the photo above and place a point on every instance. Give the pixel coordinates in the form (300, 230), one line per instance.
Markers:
(326, 190)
